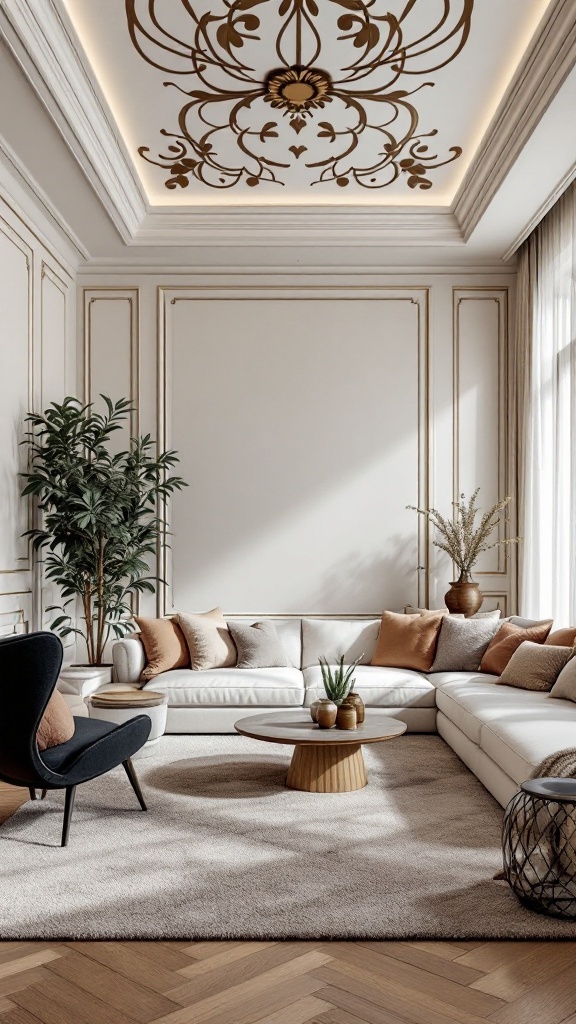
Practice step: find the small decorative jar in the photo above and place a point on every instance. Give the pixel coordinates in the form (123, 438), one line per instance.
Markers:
(346, 716)
(315, 707)
(356, 700)
(326, 715)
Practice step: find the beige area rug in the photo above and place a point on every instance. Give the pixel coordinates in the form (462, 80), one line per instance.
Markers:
(226, 851)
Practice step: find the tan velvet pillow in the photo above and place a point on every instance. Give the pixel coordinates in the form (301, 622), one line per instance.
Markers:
(562, 637)
(57, 724)
(208, 639)
(165, 646)
(535, 666)
(507, 640)
(407, 641)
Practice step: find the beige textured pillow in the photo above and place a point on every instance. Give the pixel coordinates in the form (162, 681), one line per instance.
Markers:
(165, 646)
(563, 637)
(535, 666)
(57, 724)
(565, 685)
(407, 641)
(208, 639)
(507, 640)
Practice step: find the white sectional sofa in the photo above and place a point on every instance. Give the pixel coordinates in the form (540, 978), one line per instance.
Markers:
(500, 732)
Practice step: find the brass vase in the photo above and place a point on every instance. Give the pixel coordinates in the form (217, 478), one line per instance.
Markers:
(356, 700)
(326, 715)
(346, 716)
(464, 597)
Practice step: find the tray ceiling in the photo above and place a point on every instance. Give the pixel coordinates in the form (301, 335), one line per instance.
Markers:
(303, 102)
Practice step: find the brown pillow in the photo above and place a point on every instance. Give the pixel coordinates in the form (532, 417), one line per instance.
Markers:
(506, 641)
(164, 644)
(562, 637)
(535, 666)
(407, 641)
(57, 725)
(208, 639)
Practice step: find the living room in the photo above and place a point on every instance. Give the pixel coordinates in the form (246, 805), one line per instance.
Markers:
(288, 612)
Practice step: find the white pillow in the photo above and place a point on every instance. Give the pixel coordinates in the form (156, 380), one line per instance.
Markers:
(332, 638)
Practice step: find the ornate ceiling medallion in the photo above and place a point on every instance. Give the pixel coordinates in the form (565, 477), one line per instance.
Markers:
(225, 136)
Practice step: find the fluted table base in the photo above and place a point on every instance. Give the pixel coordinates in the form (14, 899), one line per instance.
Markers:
(327, 768)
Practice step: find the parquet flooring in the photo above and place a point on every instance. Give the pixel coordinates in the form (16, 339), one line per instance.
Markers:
(284, 982)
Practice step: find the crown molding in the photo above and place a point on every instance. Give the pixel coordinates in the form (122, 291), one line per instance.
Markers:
(544, 68)
(44, 46)
(27, 200)
(104, 267)
(541, 212)
(298, 225)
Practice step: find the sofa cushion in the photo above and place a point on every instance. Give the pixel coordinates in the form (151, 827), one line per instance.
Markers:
(208, 639)
(507, 640)
(466, 698)
(269, 687)
(289, 632)
(258, 645)
(462, 643)
(535, 666)
(524, 735)
(332, 638)
(407, 641)
(165, 646)
(378, 687)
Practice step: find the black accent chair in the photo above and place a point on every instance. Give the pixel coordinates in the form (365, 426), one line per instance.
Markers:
(29, 668)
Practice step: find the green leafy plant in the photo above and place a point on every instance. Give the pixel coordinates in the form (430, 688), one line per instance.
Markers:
(461, 538)
(102, 514)
(338, 682)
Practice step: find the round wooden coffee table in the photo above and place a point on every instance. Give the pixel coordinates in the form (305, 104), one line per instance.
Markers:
(324, 760)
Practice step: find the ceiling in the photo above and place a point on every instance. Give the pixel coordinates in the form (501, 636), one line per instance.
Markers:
(303, 102)
(410, 132)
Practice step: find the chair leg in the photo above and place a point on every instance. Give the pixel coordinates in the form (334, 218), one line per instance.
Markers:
(129, 769)
(32, 792)
(44, 791)
(68, 808)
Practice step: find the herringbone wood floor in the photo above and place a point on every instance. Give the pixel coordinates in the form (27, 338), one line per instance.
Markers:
(284, 982)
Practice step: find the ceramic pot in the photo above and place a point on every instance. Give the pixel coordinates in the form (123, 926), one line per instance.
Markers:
(463, 598)
(326, 715)
(346, 717)
(315, 707)
(356, 700)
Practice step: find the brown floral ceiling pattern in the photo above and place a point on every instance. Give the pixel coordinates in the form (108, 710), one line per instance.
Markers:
(274, 84)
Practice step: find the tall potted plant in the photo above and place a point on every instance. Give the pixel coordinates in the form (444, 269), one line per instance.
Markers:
(464, 540)
(102, 513)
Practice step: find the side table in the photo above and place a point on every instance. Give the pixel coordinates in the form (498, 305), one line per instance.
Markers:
(120, 705)
(539, 846)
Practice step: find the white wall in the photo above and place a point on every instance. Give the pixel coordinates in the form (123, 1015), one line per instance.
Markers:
(37, 366)
(309, 409)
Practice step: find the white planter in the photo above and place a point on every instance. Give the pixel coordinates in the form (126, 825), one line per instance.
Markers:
(83, 680)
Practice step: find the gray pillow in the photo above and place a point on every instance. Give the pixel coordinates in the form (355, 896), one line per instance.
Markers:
(462, 643)
(258, 646)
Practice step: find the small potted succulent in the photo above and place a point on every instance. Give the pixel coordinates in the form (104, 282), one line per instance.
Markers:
(338, 683)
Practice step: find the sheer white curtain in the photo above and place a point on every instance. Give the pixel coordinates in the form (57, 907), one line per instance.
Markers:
(546, 387)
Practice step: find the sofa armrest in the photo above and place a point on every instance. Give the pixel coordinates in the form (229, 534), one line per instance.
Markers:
(129, 660)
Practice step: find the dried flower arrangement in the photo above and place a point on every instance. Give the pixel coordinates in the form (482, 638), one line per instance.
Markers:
(461, 538)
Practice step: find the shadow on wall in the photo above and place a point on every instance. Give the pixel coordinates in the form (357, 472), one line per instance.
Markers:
(355, 574)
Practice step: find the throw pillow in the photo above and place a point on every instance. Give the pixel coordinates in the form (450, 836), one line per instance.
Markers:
(410, 610)
(563, 637)
(506, 641)
(57, 724)
(208, 639)
(258, 646)
(565, 685)
(462, 643)
(164, 644)
(535, 666)
(407, 641)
